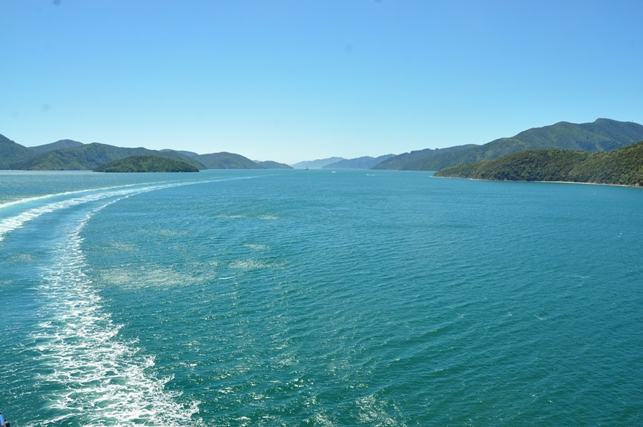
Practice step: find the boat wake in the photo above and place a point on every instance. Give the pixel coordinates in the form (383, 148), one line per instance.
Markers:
(80, 367)
(88, 375)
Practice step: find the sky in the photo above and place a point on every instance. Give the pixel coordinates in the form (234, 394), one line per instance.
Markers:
(308, 79)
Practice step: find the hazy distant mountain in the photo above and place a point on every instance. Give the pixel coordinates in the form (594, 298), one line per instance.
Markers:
(11, 152)
(226, 161)
(91, 156)
(365, 162)
(58, 145)
(316, 164)
(185, 153)
(402, 160)
(601, 135)
(269, 164)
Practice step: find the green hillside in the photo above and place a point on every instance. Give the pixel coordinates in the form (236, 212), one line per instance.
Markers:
(226, 161)
(11, 153)
(601, 135)
(146, 164)
(91, 156)
(621, 166)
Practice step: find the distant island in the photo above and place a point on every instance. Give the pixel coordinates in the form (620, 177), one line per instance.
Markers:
(623, 166)
(146, 164)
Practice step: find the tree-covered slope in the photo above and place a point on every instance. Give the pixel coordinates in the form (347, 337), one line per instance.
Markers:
(146, 164)
(226, 161)
(91, 156)
(365, 162)
(621, 166)
(12, 152)
(601, 135)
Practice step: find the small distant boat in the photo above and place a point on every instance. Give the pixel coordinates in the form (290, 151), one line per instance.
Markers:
(333, 172)
(306, 169)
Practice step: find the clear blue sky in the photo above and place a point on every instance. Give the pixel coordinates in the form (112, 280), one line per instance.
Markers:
(304, 79)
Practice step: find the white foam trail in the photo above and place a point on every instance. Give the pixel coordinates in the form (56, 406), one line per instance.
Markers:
(66, 193)
(93, 378)
(11, 223)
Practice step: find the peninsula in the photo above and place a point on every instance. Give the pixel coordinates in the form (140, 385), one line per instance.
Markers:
(623, 166)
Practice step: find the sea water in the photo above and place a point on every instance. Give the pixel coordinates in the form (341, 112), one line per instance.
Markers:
(283, 298)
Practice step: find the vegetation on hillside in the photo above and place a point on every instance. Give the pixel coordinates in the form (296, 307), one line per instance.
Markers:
(601, 135)
(621, 166)
(146, 164)
(12, 152)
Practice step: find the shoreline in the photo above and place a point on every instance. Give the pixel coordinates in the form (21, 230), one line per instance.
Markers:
(546, 182)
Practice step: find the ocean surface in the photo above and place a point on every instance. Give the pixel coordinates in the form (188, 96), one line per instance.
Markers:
(295, 298)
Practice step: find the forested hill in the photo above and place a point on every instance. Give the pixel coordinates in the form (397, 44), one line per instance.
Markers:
(600, 135)
(146, 164)
(622, 166)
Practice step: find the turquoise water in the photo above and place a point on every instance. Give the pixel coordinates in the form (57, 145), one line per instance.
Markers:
(270, 298)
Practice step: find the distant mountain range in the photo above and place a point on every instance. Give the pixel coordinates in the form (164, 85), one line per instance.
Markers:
(601, 135)
(269, 164)
(316, 164)
(73, 155)
(621, 166)
(365, 162)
